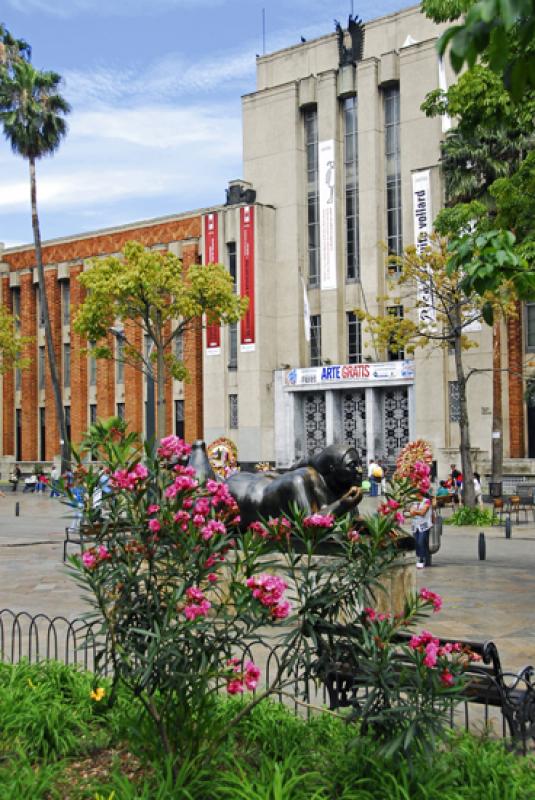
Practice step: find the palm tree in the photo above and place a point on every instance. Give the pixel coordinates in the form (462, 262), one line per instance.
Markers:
(12, 49)
(32, 113)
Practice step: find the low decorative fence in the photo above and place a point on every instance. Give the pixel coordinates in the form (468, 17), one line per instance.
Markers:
(41, 638)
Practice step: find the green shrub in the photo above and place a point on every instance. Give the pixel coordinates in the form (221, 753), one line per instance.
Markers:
(471, 516)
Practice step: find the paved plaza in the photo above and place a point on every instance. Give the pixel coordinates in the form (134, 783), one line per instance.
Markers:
(482, 599)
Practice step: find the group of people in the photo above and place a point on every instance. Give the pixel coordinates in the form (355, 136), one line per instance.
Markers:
(453, 486)
(36, 483)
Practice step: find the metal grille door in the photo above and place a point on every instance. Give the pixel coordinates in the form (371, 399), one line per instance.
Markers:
(396, 421)
(315, 426)
(354, 421)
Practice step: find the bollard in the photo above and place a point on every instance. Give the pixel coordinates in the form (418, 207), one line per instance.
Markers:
(508, 528)
(17, 508)
(482, 547)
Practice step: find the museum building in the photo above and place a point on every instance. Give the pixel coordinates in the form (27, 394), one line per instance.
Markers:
(339, 163)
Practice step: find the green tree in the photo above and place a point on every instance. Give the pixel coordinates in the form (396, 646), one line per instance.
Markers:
(157, 295)
(11, 344)
(438, 313)
(32, 113)
(12, 49)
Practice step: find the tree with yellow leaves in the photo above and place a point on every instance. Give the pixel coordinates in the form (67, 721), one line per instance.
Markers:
(11, 344)
(153, 292)
(438, 312)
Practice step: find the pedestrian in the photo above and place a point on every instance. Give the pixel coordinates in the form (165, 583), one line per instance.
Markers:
(375, 476)
(54, 485)
(456, 478)
(477, 489)
(14, 477)
(421, 514)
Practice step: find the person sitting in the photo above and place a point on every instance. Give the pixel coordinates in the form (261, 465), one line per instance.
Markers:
(443, 490)
(328, 482)
(30, 483)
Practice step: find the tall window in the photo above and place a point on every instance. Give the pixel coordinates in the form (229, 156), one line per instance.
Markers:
(15, 301)
(393, 353)
(92, 413)
(354, 342)
(393, 171)
(120, 410)
(530, 326)
(66, 365)
(233, 345)
(42, 434)
(179, 346)
(66, 302)
(311, 148)
(179, 418)
(315, 340)
(18, 379)
(233, 410)
(40, 307)
(351, 170)
(41, 367)
(232, 264)
(92, 367)
(18, 434)
(119, 363)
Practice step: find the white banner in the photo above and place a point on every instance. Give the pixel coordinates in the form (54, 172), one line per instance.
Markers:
(327, 198)
(443, 84)
(353, 374)
(423, 225)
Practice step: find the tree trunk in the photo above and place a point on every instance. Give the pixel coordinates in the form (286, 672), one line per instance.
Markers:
(469, 497)
(160, 394)
(52, 364)
(497, 421)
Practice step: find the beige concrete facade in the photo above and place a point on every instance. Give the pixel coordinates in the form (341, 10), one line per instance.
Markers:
(399, 51)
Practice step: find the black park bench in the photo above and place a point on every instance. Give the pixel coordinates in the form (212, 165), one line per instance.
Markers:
(487, 683)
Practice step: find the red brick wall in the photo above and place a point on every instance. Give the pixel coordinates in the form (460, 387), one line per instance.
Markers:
(133, 383)
(29, 406)
(516, 387)
(8, 399)
(106, 385)
(79, 371)
(193, 388)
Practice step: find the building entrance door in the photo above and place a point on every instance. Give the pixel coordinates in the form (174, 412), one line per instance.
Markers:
(314, 417)
(395, 421)
(354, 421)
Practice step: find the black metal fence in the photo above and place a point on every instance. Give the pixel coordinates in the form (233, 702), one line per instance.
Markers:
(41, 638)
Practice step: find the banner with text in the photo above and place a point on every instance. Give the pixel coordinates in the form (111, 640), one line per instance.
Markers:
(423, 225)
(211, 256)
(327, 201)
(352, 374)
(247, 329)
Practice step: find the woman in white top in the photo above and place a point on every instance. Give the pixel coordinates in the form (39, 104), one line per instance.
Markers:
(477, 488)
(422, 519)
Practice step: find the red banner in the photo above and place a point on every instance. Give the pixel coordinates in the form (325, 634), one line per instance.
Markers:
(211, 256)
(247, 337)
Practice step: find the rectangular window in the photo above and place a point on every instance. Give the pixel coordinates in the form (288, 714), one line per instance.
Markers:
(354, 342)
(40, 309)
(179, 346)
(92, 413)
(393, 170)
(42, 434)
(393, 353)
(311, 151)
(119, 363)
(233, 346)
(66, 302)
(454, 402)
(18, 379)
(315, 340)
(67, 410)
(15, 301)
(92, 367)
(18, 434)
(530, 326)
(179, 418)
(120, 410)
(66, 365)
(233, 410)
(41, 367)
(232, 264)
(351, 174)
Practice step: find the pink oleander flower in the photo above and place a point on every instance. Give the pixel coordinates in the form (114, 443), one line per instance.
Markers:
(431, 654)
(235, 686)
(198, 520)
(319, 521)
(423, 640)
(210, 561)
(211, 577)
(281, 609)
(153, 509)
(431, 597)
(353, 536)
(399, 517)
(251, 676)
(89, 560)
(269, 591)
(182, 516)
(129, 479)
(194, 593)
(154, 525)
(103, 553)
(173, 447)
(202, 506)
(446, 678)
(212, 527)
(187, 503)
(370, 614)
(393, 505)
(259, 529)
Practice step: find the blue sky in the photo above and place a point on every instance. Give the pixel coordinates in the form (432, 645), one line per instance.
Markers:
(155, 89)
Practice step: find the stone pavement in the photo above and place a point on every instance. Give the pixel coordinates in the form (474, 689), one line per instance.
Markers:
(482, 599)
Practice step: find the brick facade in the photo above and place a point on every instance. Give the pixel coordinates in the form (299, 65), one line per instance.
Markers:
(516, 385)
(63, 260)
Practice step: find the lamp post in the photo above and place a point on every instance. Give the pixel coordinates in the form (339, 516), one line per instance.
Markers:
(150, 409)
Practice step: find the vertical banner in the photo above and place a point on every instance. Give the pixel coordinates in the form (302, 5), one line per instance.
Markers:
(211, 256)
(247, 329)
(423, 225)
(443, 85)
(306, 311)
(327, 201)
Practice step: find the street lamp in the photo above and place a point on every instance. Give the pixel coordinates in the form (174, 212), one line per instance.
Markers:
(150, 409)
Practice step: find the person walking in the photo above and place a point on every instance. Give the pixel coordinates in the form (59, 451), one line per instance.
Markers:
(14, 477)
(477, 489)
(421, 514)
(54, 478)
(375, 475)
